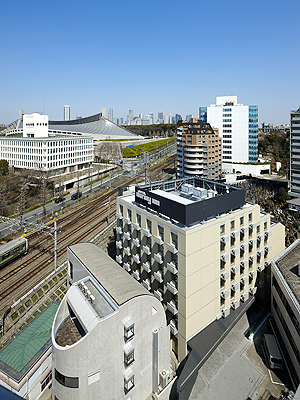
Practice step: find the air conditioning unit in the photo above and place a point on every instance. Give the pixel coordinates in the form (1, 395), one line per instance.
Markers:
(252, 274)
(224, 294)
(244, 229)
(235, 304)
(252, 290)
(244, 297)
(88, 294)
(234, 286)
(92, 298)
(225, 312)
(235, 269)
(224, 239)
(260, 268)
(164, 378)
(267, 263)
(225, 257)
(225, 275)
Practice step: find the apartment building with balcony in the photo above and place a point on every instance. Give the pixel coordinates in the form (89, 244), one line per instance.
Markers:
(199, 247)
(199, 150)
(285, 307)
(295, 153)
(110, 339)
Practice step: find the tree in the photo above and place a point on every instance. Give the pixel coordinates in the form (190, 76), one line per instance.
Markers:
(4, 167)
(282, 195)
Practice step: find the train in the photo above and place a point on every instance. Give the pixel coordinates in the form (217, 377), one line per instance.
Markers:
(11, 250)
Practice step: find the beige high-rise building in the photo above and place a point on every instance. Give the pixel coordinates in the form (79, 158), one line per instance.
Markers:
(199, 150)
(199, 247)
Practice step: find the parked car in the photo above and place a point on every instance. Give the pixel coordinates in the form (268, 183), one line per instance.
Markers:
(59, 199)
(74, 196)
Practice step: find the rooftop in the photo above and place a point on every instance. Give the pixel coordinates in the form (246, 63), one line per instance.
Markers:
(113, 278)
(189, 200)
(17, 357)
(288, 264)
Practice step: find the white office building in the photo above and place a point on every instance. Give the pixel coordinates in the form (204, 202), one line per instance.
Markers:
(110, 337)
(238, 126)
(33, 147)
(295, 153)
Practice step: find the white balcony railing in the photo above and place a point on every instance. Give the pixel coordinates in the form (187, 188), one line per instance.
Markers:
(127, 220)
(119, 259)
(119, 230)
(173, 328)
(119, 244)
(136, 242)
(172, 248)
(172, 307)
(147, 284)
(146, 232)
(136, 258)
(136, 275)
(136, 226)
(158, 258)
(127, 251)
(127, 235)
(147, 250)
(171, 266)
(147, 266)
(172, 287)
(158, 275)
(127, 267)
(119, 215)
(158, 240)
(159, 294)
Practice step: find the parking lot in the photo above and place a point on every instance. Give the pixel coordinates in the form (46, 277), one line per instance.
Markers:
(237, 369)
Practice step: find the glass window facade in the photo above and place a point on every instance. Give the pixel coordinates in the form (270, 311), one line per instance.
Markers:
(253, 133)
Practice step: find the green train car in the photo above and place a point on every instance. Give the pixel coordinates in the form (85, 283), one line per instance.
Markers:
(12, 250)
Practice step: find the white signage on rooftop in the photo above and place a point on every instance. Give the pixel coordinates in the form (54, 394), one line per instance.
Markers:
(142, 195)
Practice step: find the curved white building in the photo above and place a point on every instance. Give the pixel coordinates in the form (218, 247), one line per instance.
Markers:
(110, 338)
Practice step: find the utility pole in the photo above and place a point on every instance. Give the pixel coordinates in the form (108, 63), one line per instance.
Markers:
(108, 210)
(146, 177)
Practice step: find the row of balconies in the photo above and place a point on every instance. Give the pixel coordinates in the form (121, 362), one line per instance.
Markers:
(225, 293)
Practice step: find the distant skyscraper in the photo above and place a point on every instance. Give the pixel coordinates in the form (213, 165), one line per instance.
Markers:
(178, 117)
(295, 157)
(110, 114)
(67, 113)
(238, 127)
(104, 115)
(130, 116)
(188, 117)
(160, 115)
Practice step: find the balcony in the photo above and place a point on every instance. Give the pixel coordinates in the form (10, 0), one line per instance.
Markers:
(172, 248)
(119, 259)
(252, 274)
(158, 240)
(172, 267)
(147, 284)
(224, 275)
(147, 266)
(119, 215)
(147, 250)
(158, 275)
(158, 257)
(127, 251)
(136, 275)
(234, 286)
(127, 235)
(136, 226)
(136, 242)
(159, 294)
(119, 244)
(235, 269)
(127, 267)
(172, 307)
(224, 257)
(235, 234)
(244, 279)
(127, 221)
(172, 287)
(173, 328)
(224, 294)
(136, 258)
(146, 232)
(119, 230)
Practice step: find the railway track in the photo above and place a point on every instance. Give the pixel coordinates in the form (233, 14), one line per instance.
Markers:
(78, 224)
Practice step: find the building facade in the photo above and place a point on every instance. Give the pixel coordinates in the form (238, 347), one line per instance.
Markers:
(198, 247)
(110, 337)
(238, 127)
(285, 307)
(37, 149)
(295, 153)
(199, 150)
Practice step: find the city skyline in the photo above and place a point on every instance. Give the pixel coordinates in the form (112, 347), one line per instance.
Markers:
(220, 49)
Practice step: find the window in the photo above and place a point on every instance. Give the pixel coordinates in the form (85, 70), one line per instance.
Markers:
(129, 329)
(129, 356)
(149, 225)
(128, 383)
(232, 224)
(258, 229)
(250, 217)
(66, 381)
(241, 221)
(161, 232)
(265, 225)
(138, 217)
(129, 213)
(46, 381)
(222, 229)
(71, 269)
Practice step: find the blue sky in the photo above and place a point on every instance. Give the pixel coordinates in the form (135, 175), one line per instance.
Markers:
(169, 56)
